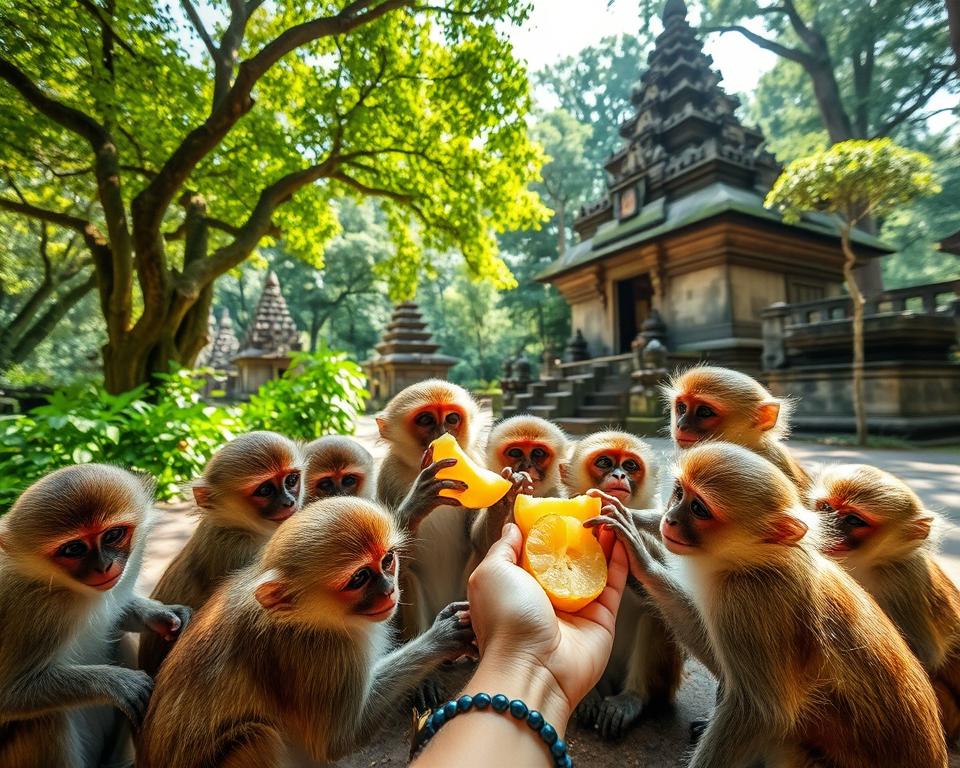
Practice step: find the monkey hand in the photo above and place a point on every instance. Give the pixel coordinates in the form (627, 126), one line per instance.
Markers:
(645, 554)
(424, 496)
(499, 514)
(646, 520)
(168, 621)
(130, 691)
(452, 632)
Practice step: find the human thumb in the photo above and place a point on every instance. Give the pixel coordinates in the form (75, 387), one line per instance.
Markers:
(507, 547)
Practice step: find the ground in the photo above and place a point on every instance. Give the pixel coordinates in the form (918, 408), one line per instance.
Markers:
(660, 741)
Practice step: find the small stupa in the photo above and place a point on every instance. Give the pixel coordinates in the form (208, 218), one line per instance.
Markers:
(406, 355)
(271, 340)
(225, 345)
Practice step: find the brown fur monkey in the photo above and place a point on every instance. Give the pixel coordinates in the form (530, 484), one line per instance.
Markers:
(249, 487)
(881, 535)
(518, 444)
(70, 552)
(707, 402)
(646, 663)
(407, 484)
(289, 663)
(338, 466)
(813, 672)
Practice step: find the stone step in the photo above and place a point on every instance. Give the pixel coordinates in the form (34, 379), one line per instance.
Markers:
(543, 411)
(600, 412)
(616, 399)
(578, 425)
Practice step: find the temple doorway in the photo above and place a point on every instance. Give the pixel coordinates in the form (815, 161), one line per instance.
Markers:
(634, 300)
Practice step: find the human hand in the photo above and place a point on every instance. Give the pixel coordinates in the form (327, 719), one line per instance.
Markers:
(550, 658)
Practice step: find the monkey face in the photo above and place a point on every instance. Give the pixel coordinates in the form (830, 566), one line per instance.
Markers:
(432, 421)
(344, 481)
(277, 497)
(371, 590)
(532, 457)
(688, 521)
(852, 528)
(694, 419)
(95, 557)
(618, 473)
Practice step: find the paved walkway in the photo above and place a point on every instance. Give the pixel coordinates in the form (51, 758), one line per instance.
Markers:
(660, 741)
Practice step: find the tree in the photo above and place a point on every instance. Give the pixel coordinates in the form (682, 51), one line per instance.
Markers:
(186, 167)
(851, 180)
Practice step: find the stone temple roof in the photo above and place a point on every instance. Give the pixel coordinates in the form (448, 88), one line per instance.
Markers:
(408, 340)
(225, 344)
(203, 359)
(272, 331)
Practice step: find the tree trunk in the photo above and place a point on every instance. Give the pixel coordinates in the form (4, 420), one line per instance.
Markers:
(859, 406)
(561, 227)
(953, 23)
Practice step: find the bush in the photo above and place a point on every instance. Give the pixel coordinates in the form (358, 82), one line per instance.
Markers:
(169, 432)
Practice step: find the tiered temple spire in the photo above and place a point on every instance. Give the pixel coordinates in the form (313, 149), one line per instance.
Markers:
(272, 330)
(683, 136)
(225, 345)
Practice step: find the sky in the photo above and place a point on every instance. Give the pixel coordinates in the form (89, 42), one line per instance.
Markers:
(560, 28)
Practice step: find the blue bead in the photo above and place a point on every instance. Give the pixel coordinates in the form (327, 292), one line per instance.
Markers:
(565, 762)
(500, 702)
(518, 709)
(428, 731)
(535, 720)
(437, 719)
(450, 709)
(481, 700)
(464, 703)
(559, 748)
(548, 733)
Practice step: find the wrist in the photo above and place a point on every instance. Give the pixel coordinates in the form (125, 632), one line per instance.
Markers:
(521, 676)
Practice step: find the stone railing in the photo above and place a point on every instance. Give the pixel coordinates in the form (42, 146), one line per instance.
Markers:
(781, 321)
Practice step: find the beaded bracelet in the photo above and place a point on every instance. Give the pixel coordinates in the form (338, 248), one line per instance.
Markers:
(498, 703)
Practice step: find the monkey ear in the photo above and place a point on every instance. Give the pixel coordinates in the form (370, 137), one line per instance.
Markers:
(787, 530)
(918, 529)
(201, 495)
(273, 596)
(767, 415)
(564, 472)
(382, 426)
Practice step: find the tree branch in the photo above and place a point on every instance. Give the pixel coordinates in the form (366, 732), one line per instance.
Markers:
(400, 197)
(42, 214)
(197, 22)
(910, 109)
(793, 54)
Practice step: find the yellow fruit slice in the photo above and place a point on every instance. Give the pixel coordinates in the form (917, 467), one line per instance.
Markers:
(567, 561)
(483, 486)
(528, 509)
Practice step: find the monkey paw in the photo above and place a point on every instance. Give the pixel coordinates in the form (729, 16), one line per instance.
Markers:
(453, 632)
(588, 709)
(617, 713)
(428, 695)
(130, 690)
(170, 621)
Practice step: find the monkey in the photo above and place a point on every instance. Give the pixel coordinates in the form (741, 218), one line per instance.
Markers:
(881, 534)
(247, 489)
(407, 483)
(338, 466)
(519, 444)
(289, 661)
(708, 402)
(646, 664)
(813, 671)
(70, 552)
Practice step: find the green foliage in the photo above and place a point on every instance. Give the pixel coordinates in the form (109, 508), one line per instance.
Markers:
(320, 394)
(169, 432)
(853, 179)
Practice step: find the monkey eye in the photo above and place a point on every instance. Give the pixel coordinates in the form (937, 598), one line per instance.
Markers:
(114, 535)
(604, 462)
(631, 466)
(325, 484)
(705, 412)
(291, 481)
(681, 408)
(349, 481)
(699, 510)
(73, 549)
(388, 561)
(515, 453)
(425, 419)
(677, 492)
(854, 522)
(539, 453)
(453, 419)
(266, 490)
(361, 577)
(823, 506)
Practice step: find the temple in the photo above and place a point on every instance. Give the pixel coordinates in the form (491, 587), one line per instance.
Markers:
(271, 340)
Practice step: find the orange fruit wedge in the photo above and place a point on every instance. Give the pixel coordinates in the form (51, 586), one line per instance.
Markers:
(528, 509)
(483, 486)
(567, 561)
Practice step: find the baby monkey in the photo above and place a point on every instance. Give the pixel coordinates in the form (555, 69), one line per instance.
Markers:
(249, 487)
(813, 672)
(338, 466)
(290, 661)
(881, 535)
(70, 552)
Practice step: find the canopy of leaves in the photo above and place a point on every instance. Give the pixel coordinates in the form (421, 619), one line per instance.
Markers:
(853, 179)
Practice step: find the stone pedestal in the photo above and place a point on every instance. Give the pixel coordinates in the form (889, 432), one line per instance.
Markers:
(648, 415)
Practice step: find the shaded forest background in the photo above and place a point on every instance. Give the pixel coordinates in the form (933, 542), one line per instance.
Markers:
(891, 73)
